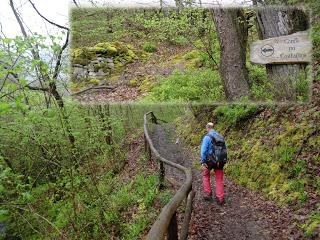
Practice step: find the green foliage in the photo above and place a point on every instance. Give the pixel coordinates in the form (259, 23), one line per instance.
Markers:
(260, 86)
(310, 227)
(53, 187)
(191, 55)
(191, 85)
(149, 47)
(197, 59)
(19, 68)
(302, 85)
(167, 26)
(235, 114)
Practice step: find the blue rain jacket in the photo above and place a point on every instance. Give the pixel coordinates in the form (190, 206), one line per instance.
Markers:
(206, 146)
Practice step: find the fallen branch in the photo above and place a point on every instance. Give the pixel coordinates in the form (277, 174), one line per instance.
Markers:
(93, 88)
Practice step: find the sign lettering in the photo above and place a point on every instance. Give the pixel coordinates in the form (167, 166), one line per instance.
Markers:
(294, 48)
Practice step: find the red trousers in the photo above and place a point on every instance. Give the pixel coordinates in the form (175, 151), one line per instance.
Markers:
(219, 183)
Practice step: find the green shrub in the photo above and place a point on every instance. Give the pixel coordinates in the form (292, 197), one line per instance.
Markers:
(260, 87)
(149, 47)
(191, 85)
(302, 86)
(235, 114)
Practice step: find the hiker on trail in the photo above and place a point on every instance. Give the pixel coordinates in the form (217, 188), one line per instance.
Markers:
(213, 156)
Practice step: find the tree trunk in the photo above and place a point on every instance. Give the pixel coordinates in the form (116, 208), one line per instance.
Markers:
(275, 22)
(232, 30)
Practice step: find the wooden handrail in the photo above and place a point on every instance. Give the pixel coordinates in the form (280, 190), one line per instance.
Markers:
(168, 213)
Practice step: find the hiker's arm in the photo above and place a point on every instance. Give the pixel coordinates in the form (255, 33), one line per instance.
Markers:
(204, 148)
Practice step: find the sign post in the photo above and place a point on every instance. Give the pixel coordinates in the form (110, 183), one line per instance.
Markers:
(289, 49)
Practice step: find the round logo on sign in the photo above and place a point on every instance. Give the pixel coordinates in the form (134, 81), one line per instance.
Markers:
(267, 50)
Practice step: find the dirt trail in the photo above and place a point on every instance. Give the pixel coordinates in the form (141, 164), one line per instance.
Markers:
(246, 214)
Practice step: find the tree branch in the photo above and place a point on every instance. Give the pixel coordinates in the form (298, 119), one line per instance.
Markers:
(18, 19)
(44, 75)
(46, 19)
(9, 72)
(93, 88)
(75, 3)
(58, 64)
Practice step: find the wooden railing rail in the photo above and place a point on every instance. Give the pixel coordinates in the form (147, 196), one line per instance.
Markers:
(166, 224)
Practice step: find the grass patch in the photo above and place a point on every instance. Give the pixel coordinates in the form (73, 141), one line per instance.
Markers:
(149, 47)
(191, 85)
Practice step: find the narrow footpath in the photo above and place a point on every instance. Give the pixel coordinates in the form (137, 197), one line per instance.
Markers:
(246, 214)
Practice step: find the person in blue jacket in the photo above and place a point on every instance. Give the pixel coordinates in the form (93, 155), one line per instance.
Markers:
(206, 150)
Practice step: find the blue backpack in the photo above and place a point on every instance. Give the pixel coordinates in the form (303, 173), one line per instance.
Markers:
(219, 157)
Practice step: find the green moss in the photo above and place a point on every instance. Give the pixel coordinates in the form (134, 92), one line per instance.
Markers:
(129, 46)
(105, 48)
(191, 55)
(147, 83)
(104, 66)
(82, 55)
(121, 47)
(117, 50)
(131, 54)
(196, 63)
(133, 82)
(114, 77)
(94, 81)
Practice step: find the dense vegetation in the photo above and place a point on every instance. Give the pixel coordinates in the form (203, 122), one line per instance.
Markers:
(51, 187)
(191, 32)
(273, 149)
(63, 169)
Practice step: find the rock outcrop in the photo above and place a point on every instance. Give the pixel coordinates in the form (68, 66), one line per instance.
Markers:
(91, 65)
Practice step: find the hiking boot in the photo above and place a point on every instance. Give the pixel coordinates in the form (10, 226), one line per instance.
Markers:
(207, 197)
(220, 203)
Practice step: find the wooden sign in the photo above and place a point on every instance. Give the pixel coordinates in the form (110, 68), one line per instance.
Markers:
(294, 48)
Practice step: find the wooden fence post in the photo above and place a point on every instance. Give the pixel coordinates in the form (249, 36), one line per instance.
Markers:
(161, 175)
(149, 152)
(173, 228)
(145, 143)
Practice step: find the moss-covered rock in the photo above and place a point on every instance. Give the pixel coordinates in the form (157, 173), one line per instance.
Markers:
(82, 56)
(105, 48)
(104, 66)
(103, 59)
(121, 47)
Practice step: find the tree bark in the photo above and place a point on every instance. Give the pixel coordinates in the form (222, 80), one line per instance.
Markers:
(231, 26)
(275, 22)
